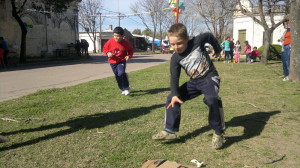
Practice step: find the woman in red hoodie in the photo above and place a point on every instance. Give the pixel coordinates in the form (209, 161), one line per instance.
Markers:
(118, 52)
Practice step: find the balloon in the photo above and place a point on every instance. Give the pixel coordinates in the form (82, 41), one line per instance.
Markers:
(180, 4)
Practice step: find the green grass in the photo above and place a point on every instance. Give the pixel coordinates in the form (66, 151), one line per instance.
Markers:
(93, 125)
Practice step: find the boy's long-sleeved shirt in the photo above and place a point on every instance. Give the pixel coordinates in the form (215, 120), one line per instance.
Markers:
(195, 60)
(119, 50)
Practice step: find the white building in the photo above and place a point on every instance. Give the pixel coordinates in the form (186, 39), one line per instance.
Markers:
(244, 28)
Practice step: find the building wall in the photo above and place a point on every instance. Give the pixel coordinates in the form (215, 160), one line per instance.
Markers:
(254, 31)
(49, 32)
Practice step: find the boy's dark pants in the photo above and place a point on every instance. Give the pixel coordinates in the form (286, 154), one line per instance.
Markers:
(208, 86)
(120, 74)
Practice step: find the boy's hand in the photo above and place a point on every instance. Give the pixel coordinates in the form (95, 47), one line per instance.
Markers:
(174, 100)
(216, 55)
(110, 54)
(127, 58)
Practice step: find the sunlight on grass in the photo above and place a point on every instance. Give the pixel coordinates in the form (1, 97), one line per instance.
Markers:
(93, 125)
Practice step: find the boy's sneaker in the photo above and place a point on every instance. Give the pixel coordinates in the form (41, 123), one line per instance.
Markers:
(125, 92)
(217, 141)
(164, 135)
(286, 78)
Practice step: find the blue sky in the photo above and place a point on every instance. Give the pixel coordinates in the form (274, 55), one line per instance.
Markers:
(122, 6)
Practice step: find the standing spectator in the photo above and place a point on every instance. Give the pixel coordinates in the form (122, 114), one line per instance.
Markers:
(78, 48)
(118, 52)
(237, 51)
(231, 45)
(2, 65)
(286, 50)
(86, 48)
(81, 47)
(226, 47)
(5, 48)
(247, 51)
(254, 54)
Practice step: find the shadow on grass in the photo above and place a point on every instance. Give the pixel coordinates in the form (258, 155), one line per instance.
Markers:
(82, 122)
(146, 92)
(253, 126)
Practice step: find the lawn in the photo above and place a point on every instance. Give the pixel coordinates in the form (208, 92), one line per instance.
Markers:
(93, 125)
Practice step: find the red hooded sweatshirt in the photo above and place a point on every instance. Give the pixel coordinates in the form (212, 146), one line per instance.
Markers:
(119, 50)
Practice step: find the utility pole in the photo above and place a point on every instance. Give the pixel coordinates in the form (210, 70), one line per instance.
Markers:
(177, 10)
(100, 38)
(119, 18)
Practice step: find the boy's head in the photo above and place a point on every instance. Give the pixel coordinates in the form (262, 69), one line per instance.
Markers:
(118, 34)
(178, 37)
(254, 48)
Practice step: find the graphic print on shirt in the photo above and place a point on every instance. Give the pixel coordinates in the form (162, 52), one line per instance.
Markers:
(196, 63)
(116, 51)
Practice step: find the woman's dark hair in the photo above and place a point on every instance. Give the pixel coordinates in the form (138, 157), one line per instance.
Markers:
(119, 30)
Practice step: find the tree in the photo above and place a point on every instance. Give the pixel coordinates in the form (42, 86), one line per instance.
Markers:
(265, 10)
(147, 32)
(18, 7)
(137, 31)
(88, 11)
(295, 34)
(153, 19)
(215, 14)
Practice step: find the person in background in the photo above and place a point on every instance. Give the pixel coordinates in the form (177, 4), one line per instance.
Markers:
(2, 65)
(247, 51)
(226, 47)
(231, 45)
(118, 52)
(237, 51)
(254, 54)
(286, 50)
(5, 48)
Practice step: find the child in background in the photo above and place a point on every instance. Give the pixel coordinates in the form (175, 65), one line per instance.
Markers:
(237, 50)
(255, 54)
(226, 47)
(247, 51)
(2, 65)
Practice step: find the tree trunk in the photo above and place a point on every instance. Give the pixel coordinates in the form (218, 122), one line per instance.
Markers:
(267, 40)
(94, 43)
(23, 30)
(295, 44)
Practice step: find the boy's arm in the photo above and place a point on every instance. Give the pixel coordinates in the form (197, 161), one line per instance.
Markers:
(130, 50)
(209, 38)
(175, 70)
(106, 48)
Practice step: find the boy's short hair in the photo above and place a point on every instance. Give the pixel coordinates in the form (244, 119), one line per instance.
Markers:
(119, 30)
(178, 30)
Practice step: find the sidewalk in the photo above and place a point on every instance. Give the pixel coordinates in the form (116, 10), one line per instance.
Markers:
(20, 81)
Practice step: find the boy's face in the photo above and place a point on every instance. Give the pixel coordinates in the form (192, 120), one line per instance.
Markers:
(178, 44)
(118, 37)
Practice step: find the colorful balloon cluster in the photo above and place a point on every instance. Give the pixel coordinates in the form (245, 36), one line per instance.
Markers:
(174, 9)
(28, 25)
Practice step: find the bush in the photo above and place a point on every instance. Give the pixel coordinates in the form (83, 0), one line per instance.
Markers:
(274, 52)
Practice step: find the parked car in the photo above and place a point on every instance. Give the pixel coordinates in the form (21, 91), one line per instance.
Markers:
(167, 50)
